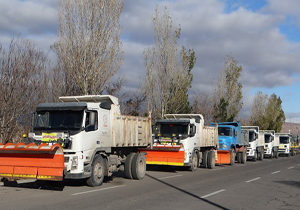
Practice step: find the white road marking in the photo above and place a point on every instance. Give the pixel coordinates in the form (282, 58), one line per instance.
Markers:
(108, 188)
(168, 177)
(251, 180)
(291, 167)
(275, 172)
(210, 194)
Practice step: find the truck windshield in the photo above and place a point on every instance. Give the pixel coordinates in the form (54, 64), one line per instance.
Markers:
(167, 130)
(224, 131)
(284, 139)
(268, 138)
(252, 136)
(58, 120)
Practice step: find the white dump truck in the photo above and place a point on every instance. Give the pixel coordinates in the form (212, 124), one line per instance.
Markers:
(83, 137)
(255, 149)
(183, 140)
(271, 143)
(285, 144)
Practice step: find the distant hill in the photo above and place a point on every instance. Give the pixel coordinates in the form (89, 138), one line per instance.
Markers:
(293, 127)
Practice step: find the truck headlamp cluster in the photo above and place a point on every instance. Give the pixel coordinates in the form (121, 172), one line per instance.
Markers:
(74, 163)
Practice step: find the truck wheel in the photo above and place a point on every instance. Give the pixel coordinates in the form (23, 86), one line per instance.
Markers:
(128, 165)
(272, 155)
(211, 159)
(232, 157)
(255, 156)
(261, 155)
(98, 171)
(276, 154)
(239, 157)
(204, 159)
(194, 163)
(138, 167)
(244, 157)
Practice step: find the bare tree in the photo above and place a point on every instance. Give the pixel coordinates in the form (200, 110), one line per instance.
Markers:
(228, 93)
(168, 75)
(88, 47)
(203, 104)
(258, 110)
(22, 86)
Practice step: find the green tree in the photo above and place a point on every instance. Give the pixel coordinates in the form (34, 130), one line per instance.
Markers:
(267, 112)
(228, 93)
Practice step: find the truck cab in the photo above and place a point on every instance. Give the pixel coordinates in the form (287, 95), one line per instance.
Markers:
(285, 144)
(183, 133)
(253, 151)
(228, 135)
(270, 147)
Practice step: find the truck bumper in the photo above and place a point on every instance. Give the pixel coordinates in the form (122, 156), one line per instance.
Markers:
(223, 157)
(165, 156)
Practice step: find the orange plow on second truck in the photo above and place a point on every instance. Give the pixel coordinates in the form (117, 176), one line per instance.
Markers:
(31, 161)
(165, 155)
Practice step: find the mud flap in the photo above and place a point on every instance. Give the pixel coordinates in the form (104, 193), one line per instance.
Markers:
(31, 161)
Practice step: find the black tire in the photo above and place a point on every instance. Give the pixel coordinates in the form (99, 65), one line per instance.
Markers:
(128, 166)
(211, 159)
(276, 154)
(232, 157)
(204, 159)
(261, 155)
(244, 157)
(138, 167)
(239, 157)
(194, 164)
(98, 172)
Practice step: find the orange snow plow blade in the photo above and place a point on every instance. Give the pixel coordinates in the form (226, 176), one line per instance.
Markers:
(223, 157)
(31, 161)
(165, 155)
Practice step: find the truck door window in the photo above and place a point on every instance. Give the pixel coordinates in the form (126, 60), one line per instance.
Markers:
(91, 121)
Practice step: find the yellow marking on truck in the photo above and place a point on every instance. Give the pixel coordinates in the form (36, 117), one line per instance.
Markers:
(6, 175)
(25, 175)
(45, 177)
(164, 163)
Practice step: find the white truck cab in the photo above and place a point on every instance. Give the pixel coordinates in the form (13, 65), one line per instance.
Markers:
(285, 144)
(271, 144)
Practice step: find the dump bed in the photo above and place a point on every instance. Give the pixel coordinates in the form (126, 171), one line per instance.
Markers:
(131, 131)
(209, 137)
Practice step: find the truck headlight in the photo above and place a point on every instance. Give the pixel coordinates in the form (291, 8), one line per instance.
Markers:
(74, 163)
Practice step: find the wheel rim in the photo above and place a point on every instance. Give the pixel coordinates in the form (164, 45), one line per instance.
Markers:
(194, 161)
(141, 167)
(98, 173)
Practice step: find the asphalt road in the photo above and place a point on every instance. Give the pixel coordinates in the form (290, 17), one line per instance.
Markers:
(270, 184)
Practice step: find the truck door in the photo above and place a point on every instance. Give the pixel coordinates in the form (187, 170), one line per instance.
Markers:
(91, 131)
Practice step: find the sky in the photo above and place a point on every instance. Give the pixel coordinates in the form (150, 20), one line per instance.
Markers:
(262, 35)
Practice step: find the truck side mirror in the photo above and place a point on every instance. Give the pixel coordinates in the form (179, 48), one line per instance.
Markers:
(192, 130)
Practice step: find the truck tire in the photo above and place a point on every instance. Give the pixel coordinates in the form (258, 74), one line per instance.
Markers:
(194, 164)
(211, 159)
(204, 159)
(138, 167)
(244, 157)
(239, 157)
(272, 154)
(261, 155)
(232, 157)
(128, 166)
(98, 171)
(276, 154)
(255, 156)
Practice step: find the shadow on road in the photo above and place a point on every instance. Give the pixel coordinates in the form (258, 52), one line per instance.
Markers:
(290, 183)
(188, 193)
